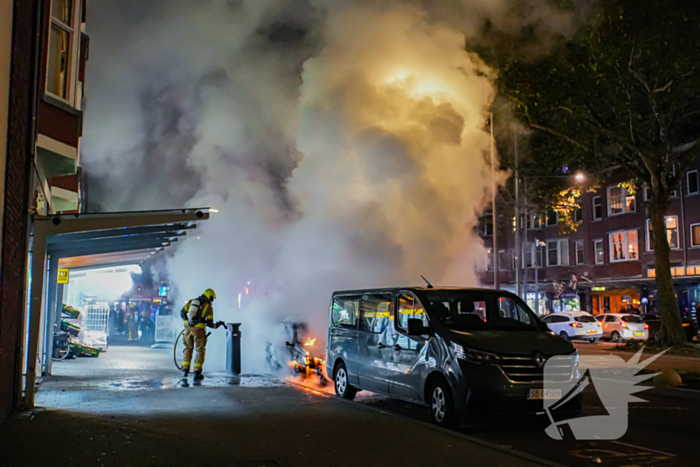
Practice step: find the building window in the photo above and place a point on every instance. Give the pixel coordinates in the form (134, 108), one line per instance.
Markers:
(599, 253)
(486, 225)
(558, 252)
(552, 217)
(503, 260)
(63, 48)
(534, 221)
(671, 233)
(624, 246)
(620, 201)
(693, 182)
(578, 214)
(674, 193)
(647, 194)
(695, 235)
(533, 252)
(597, 208)
(580, 258)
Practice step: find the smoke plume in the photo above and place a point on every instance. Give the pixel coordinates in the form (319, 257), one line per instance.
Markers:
(342, 142)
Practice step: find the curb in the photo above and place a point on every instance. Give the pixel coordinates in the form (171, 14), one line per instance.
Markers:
(487, 444)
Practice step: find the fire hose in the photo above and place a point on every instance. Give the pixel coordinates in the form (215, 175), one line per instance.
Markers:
(179, 337)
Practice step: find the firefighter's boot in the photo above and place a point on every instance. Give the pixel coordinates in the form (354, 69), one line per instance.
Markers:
(185, 373)
(198, 376)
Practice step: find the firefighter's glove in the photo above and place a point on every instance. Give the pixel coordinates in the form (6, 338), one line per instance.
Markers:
(219, 324)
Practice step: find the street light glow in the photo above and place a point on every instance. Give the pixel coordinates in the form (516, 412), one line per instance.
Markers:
(580, 177)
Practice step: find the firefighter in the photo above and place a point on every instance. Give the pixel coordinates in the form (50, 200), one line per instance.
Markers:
(197, 314)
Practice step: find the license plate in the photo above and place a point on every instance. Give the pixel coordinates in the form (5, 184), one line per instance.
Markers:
(638, 333)
(542, 394)
(592, 331)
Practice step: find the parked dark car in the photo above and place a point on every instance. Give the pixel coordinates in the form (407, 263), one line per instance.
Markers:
(654, 321)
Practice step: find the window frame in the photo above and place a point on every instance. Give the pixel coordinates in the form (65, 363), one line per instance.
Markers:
(390, 297)
(397, 309)
(624, 195)
(600, 200)
(357, 320)
(697, 183)
(692, 245)
(649, 234)
(626, 246)
(595, 251)
(73, 54)
(502, 255)
(578, 213)
(559, 242)
(546, 218)
(486, 228)
(577, 244)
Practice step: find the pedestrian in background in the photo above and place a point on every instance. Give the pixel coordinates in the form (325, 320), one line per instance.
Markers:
(131, 325)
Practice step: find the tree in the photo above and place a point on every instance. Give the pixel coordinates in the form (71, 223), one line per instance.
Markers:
(625, 91)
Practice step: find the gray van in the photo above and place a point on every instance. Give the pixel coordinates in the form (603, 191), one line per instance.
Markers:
(443, 347)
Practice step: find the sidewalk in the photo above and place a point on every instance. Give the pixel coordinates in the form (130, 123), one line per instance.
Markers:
(126, 408)
(682, 364)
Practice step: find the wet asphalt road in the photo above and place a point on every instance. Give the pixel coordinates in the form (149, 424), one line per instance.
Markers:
(662, 432)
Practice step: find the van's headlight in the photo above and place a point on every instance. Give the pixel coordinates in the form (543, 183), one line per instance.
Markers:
(474, 356)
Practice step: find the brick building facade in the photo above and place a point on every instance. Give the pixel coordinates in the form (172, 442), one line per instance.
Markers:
(608, 263)
(41, 83)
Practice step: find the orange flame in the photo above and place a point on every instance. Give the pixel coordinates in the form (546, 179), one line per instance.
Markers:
(309, 342)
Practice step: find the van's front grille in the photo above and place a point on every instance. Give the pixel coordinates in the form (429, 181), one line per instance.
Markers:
(521, 369)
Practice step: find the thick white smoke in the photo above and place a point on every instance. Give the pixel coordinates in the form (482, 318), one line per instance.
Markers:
(341, 141)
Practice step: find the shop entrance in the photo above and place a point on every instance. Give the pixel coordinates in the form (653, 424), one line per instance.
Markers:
(615, 301)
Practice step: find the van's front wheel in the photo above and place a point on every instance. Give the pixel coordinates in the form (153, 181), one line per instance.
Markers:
(342, 387)
(442, 405)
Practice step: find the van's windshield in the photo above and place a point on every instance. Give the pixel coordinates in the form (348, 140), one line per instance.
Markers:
(470, 310)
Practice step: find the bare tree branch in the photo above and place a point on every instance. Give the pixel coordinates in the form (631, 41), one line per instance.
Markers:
(682, 148)
(561, 135)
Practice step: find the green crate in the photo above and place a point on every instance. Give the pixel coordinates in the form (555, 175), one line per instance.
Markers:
(82, 350)
(71, 312)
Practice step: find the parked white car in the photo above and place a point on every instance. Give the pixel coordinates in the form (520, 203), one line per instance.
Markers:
(620, 327)
(575, 325)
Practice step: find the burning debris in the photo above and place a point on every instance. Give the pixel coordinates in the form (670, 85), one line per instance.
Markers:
(302, 361)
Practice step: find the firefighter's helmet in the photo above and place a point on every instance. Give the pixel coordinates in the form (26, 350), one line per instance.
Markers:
(210, 294)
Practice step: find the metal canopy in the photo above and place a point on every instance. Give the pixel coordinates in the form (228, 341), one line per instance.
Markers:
(78, 241)
(113, 246)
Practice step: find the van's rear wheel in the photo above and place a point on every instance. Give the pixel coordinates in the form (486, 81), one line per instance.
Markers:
(342, 387)
(442, 405)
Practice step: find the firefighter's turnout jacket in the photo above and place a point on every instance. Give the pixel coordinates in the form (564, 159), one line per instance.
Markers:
(198, 313)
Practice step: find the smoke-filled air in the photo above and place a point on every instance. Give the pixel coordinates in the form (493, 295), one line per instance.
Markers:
(343, 143)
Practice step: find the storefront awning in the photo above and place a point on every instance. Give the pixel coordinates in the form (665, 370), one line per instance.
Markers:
(91, 240)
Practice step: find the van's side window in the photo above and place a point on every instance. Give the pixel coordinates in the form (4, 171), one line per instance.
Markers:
(410, 308)
(375, 310)
(509, 309)
(345, 311)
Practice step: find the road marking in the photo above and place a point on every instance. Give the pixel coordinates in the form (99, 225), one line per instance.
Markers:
(644, 449)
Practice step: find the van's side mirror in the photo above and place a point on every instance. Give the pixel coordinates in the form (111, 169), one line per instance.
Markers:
(416, 327)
